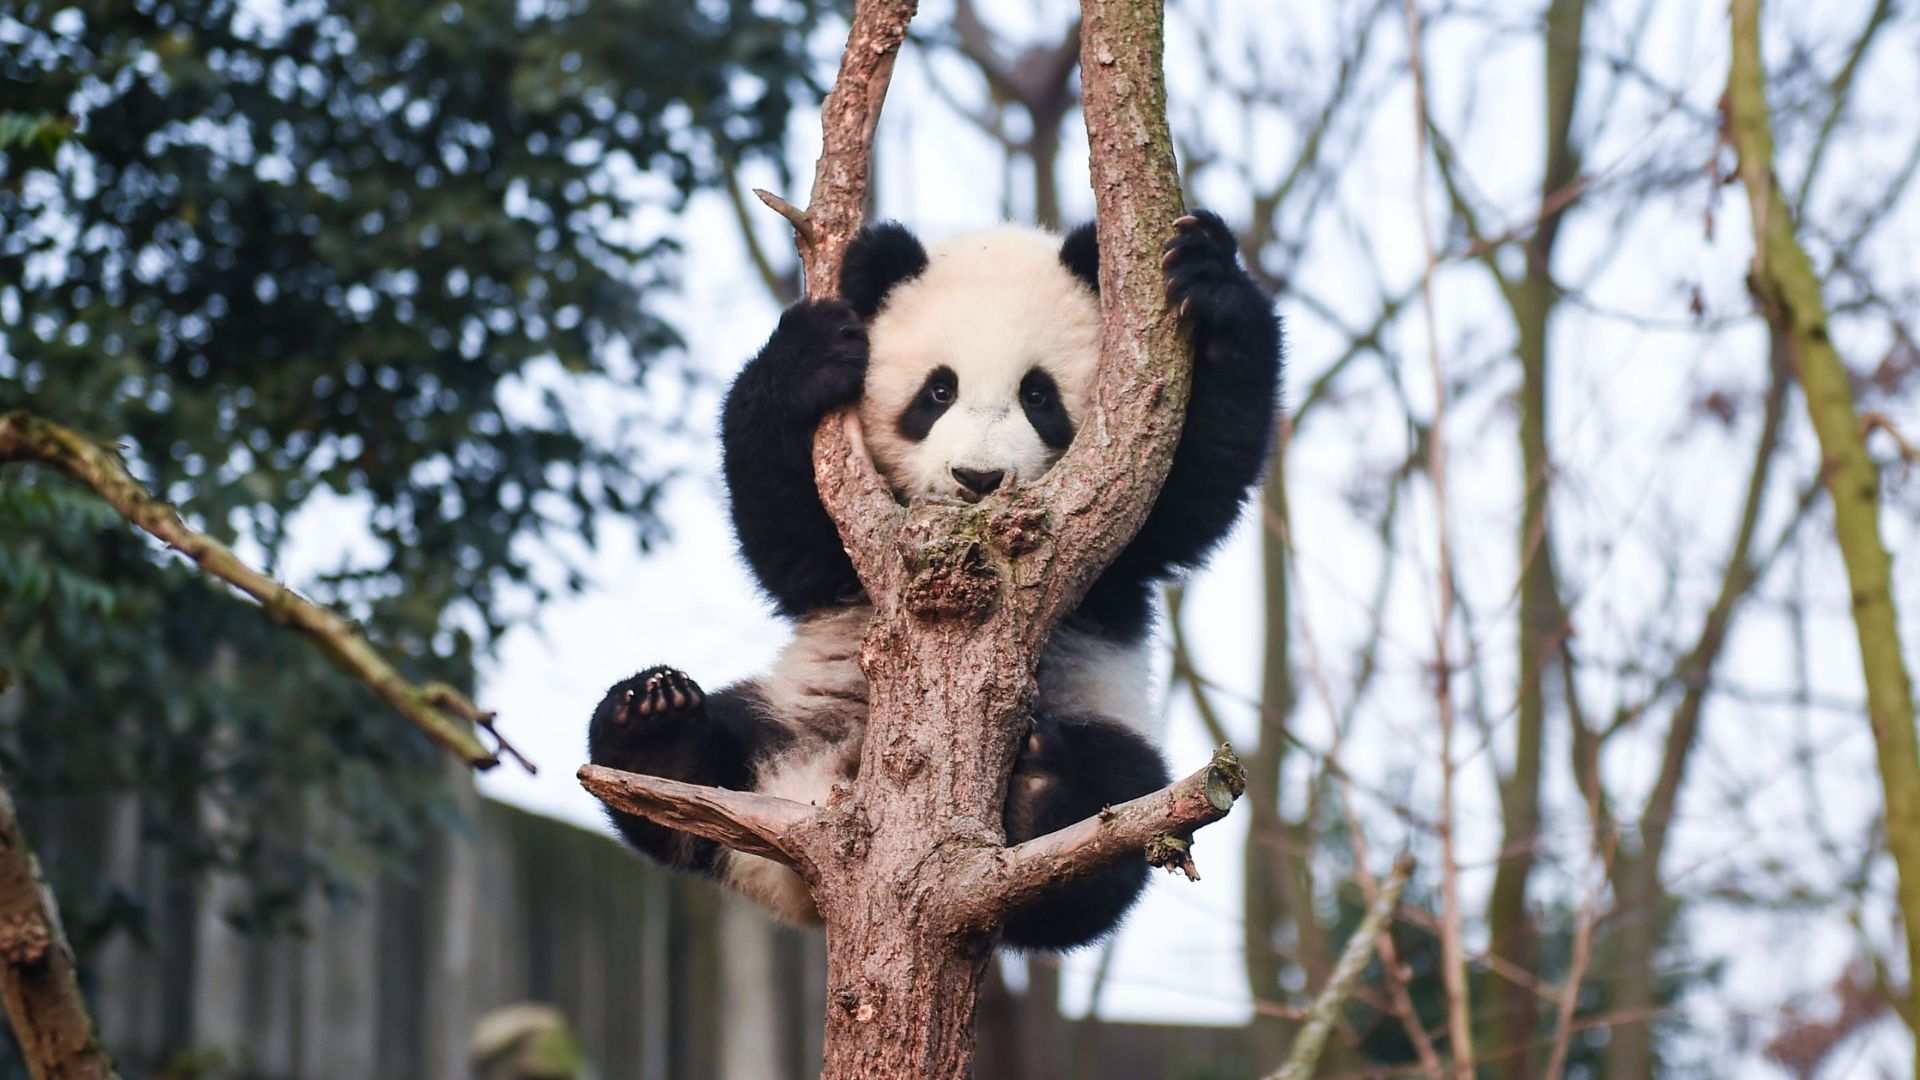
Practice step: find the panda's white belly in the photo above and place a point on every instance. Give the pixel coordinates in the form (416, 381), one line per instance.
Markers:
(817, 688)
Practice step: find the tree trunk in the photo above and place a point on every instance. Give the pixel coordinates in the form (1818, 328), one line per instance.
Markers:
(48, 1016)
(1790, 292)
(907, 864)
(1512, 1011)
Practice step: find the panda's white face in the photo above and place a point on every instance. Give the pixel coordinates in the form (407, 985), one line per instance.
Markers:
(980, 367)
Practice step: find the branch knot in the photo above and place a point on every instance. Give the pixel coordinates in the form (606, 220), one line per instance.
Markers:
(24, 941)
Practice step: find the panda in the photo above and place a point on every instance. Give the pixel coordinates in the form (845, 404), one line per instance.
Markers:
(971, 365)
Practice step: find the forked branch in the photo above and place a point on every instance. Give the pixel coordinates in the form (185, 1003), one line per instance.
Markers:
(903, 866)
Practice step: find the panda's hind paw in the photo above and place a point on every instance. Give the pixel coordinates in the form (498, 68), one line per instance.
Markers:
(1035, 790)
(657, 696)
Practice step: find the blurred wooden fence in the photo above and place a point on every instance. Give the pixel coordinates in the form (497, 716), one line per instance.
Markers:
(524, 909)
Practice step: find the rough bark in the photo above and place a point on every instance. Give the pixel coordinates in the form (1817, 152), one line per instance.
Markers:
(1790, 293)
(48, 1016)
(442, 713)
(907, 864)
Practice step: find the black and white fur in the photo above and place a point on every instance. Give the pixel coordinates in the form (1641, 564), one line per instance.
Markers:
(971, 365)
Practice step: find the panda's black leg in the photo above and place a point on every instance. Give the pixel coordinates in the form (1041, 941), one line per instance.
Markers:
(661, 723)
(1071, 768)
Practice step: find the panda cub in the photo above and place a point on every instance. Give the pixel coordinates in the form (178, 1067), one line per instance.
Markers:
(972, 365)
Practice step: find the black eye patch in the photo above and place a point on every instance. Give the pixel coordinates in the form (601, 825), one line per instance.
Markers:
(1040, 400)
(936, 396)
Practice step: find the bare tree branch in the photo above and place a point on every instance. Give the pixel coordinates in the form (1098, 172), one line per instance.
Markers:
(1838, 93)
(1353, 960)
(1791, 295)
(1453, 960)
(763, 825)
(441, 712)
(1160, 824)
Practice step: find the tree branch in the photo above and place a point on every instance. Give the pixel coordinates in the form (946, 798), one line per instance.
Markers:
(48, 1015)
(1838, 94)
(1161, 825)
(850, 486)
(1453, 958)
(441, 712)
(763, 825)
(1790, 292)
(1353, 960)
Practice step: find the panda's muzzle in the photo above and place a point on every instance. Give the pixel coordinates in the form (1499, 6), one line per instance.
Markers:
(979, 482)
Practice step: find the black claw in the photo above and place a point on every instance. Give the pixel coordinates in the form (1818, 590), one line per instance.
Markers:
(1201, 270)
(659, 694)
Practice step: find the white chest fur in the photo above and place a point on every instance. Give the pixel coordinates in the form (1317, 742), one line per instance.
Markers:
(817, 689)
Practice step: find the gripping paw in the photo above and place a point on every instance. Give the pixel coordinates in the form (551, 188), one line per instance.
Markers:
(1204, 280)
(826, 346)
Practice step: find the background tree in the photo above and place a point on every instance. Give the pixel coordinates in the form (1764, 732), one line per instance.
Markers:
(353, 254)
(1648, 660)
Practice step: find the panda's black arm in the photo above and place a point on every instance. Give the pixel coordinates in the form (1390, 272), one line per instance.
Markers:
(814, 363)
(1231, 417)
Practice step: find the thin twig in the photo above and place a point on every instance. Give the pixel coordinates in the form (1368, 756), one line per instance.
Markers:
(1399, 996)
(779, 285)
(1871, 422)
(1353, 960)
(1605, 841)
(1459, 1026)
(801, 221)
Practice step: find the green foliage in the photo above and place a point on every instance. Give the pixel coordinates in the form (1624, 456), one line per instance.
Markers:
(32, 134)
(327, 249)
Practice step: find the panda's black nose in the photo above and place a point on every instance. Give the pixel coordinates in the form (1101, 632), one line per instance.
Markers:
(978, 482)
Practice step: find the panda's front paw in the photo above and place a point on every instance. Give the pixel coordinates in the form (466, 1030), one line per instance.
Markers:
(1204, 280)
(825, 345)
(652, 703)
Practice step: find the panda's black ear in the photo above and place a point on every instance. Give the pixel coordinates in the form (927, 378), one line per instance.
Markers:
(880, 257)
(1080, 253)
